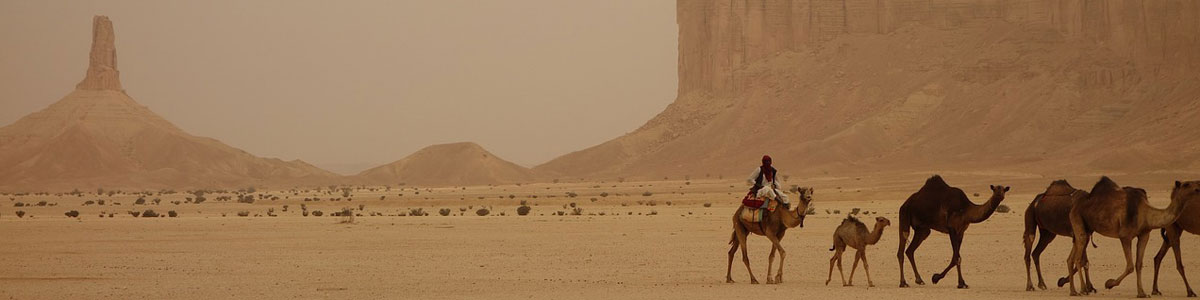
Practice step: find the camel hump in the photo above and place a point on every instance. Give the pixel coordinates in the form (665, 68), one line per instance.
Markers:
(852, 220)
(1105, 186)
(936, 181)
(1059, 187)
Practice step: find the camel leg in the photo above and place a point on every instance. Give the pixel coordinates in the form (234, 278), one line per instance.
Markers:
(732, 250)
(745, 256)
(866, 269)
(1143, 239)
(782, 256)
(903, 229)
(832, 260)
(840, 272)
(1171, 239)
(1043, 241)
(1158, 258)
(853, 267)
(1179, 264)
(770, 265)
(918, 238)
(1127, 245)
(955, 260)
(1084, 264)
(1027, 240)
(1073, 262)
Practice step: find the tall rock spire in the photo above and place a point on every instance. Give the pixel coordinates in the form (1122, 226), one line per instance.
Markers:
(102, 71)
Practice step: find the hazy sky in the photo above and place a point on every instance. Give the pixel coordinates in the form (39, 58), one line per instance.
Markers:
(351, 84)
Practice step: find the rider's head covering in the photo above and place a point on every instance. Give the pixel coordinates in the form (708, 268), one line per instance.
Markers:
(766, 160)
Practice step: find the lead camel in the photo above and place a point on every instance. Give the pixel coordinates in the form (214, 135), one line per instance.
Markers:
(946, 209)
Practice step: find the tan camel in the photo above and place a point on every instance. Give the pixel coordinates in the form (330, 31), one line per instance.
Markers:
(1189, 221)
(854, 233)
(1049, 216)
(1121, 213)
(772, 226)
(938, 206)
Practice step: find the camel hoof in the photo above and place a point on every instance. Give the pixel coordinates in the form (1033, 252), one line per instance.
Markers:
(1073, 293)
(919, 281)
(1090, 289)
(827, 282)
(1191, 294)
(1109, 284)
(769, 281)
(936, 278)
(963, 286)
(1142, 295)
(729, 281)
(1062, 281)
(847, 284)
(870, 285)
(1156, 293)
(753, 281)
(1029, 288)
(1042, 285)
(903, 284)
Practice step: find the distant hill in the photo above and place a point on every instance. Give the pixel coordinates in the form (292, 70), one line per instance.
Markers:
(448, 164)
(1048, 87)
(97, 136)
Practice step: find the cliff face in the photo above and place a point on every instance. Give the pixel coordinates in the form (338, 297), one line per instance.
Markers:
(102, 71)
(717, 37)
(866, 85)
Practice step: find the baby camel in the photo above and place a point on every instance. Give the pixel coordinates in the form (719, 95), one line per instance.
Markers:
(854, 233)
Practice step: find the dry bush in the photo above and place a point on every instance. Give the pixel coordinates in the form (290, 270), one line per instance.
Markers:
(707, 204)
(149, 213)
(523, 210)
(20, 214)
(245, 213)
(172, 214)
(347, 216)
(444, 212)
(417, 212)
(578, 211)
(482, 212)
(72, 214)
(135, 214)
(647, 194)
(139, 201)
(1003, 209)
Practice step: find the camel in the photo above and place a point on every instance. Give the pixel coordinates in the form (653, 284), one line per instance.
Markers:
(772, 226)
(1117, 212)
(1048, 217)
(1189, 221)
(854, 233)
(938, 206)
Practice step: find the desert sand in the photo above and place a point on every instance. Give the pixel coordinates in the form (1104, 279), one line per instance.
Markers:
(679, 252)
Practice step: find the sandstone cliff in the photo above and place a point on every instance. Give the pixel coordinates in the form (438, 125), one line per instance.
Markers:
(869, 85)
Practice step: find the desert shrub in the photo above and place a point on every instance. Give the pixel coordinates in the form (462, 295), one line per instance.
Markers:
(100, 202)
(976, 194)
(523, 210)
(577, 211)
(810, 211)
(285, 207)
(347, 216)
(139, 201)
(156, 201)
(172, 214)
(149, 213)
(18, 204)
(651, 203)
(317, 213)
(417, 212)
(245, 213)
(89, 202)
(135, 214)
(707, 204)
(647, 194)
(572, 194)
(1003, 209)
(652, 213)
(855, 211)
(444, 212)
(72, 214)
(837, 212)
(572, 204)
(482, 212)
(668, 203)
(604, 194)
(20, 214)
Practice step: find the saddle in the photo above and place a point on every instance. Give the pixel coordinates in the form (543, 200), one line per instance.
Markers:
(755, 214)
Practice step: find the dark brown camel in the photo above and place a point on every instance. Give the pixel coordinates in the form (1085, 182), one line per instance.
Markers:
(1188, 221)
(938, 206)
(772, 226)
(1121, 213)
(1049, 216)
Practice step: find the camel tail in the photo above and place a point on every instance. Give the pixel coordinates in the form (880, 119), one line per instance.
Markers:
(831, 248)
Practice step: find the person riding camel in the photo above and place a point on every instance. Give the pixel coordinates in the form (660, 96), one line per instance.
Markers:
(765, 184)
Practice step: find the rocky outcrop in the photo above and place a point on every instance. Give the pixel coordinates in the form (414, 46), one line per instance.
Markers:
(448, 164)
(97, 136)
(870, 85)
(102, 73)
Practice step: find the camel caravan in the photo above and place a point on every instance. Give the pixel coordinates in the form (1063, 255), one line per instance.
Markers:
(1108, 209)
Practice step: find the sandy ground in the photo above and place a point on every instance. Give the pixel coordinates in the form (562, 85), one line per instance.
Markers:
(680, 252)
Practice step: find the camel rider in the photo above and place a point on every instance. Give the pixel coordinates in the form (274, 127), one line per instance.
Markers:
(766, 185)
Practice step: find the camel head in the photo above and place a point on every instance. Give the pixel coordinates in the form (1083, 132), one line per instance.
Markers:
(806, 198)
(882, 222)
(1186, 191)
(998, 192)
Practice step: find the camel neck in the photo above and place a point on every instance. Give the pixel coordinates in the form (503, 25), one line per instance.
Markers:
(980, 213)
(789, 218)
(1158, 218)
(876, 234)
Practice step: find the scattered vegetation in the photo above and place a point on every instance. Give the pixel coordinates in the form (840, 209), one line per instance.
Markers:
(709, 204)
(149, 213)
(72, 214)
(20, 214)
(444, 212)
(482, 212)
(1003, 209)
(417, 212)
(647, 194)
(523, 210)
(317, 213)
(247, 213)
(172, 214)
